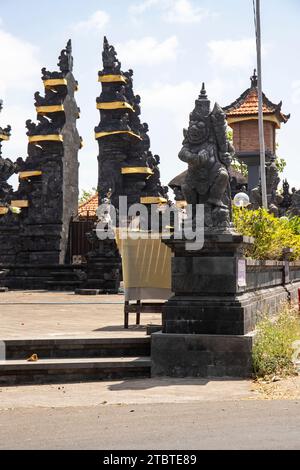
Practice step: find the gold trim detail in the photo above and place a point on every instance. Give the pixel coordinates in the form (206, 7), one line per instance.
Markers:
(28, 174)
(20, 203)
(50, 109)
(4, 137)
(271, 118)
(134, 170)
(111, 78)
(3, 210)
(115, 105)
(44, 138)
(153, 200)
(99, 135)
(55, 82)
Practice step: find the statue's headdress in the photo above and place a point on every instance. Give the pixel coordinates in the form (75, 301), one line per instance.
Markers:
(202, 107)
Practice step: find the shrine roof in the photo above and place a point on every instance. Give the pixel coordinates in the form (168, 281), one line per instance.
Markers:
(89, 207)
(247, 105)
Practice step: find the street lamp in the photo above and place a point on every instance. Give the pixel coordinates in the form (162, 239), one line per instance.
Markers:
(241, 200)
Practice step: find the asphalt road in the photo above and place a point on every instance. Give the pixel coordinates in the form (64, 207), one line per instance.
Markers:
(199, 425)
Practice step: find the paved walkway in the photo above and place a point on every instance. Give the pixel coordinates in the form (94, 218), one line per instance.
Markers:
(38, 315)
(143, 391)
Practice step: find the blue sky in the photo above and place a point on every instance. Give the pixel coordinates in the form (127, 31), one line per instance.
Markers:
(172, 45)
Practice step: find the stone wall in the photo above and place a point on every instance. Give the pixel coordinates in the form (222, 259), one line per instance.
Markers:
(271, 283)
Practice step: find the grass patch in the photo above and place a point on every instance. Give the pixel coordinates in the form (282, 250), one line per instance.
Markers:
(272, 351)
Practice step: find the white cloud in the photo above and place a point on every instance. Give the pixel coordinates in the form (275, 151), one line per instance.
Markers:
(183, 11)
(148, 51)
(230, 53)
(173, 11)
(96, 22)
(178, 99)
(19, 63)
(140, 8)
(296, 92)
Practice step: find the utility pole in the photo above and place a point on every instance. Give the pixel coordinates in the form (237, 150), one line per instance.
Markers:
(260, 110)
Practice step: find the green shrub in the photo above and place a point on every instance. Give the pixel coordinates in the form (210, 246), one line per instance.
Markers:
(271, 234)
(272, 352)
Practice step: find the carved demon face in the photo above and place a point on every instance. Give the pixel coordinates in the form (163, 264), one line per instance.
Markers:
(198, 132)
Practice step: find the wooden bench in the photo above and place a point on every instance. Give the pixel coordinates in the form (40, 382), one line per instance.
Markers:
(139, 307)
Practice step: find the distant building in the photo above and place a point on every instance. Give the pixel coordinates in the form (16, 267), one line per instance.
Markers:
(242, 117)
(88, 208)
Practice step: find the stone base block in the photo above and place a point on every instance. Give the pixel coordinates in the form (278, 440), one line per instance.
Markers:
(221, 315)
(176, 355)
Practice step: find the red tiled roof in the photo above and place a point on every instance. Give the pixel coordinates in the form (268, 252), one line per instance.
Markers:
(89, 207)
(247, 105)
(250, 105)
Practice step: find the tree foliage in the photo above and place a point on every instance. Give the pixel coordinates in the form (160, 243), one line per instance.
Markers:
(85, 195)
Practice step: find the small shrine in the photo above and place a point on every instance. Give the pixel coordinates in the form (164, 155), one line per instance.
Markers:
(242, 117)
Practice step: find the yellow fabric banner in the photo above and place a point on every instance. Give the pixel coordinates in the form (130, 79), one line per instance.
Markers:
(146, 263)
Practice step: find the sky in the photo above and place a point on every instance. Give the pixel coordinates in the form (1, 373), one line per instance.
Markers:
(172, 46)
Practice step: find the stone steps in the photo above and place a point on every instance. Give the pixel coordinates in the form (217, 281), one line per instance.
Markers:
(68, 360)
(77, 348)
(60, 285)
(40, 277)
(46, 371)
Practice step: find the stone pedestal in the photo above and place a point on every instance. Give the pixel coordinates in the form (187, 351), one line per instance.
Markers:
(206, 322)
(207, 284)
(177, 355)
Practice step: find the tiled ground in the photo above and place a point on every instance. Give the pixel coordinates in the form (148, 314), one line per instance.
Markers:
(54, 315)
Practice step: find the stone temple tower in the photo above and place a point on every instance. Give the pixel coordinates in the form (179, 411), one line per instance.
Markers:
(9, 221)
(48, 191)
(127, 167)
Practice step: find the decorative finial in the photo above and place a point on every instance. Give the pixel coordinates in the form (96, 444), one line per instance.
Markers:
(65, 59)
(254, 79)
(109, 56)
(203, 94)
(4, 132)
(69, 47)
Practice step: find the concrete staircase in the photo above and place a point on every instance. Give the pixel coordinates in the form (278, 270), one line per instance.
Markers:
(75, 360)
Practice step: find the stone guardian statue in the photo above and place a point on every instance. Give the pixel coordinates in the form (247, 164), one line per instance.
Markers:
(208, 154)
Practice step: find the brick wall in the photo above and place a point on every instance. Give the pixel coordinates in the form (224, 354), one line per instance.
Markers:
(246, 138)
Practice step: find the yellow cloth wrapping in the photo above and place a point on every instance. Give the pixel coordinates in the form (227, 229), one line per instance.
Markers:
(146, 267)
